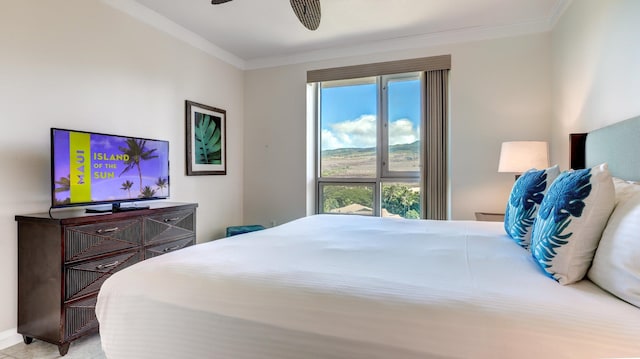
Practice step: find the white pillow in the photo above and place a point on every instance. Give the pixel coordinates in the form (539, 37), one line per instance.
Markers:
(616, 265)
(525, 198)
(570, 221)
(625, 189)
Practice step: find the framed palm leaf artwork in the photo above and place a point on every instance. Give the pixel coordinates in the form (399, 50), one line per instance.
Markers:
(206, 140)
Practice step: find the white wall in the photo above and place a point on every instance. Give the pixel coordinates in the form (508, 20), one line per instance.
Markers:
(500, 90)
(83, 65)
(595, 67)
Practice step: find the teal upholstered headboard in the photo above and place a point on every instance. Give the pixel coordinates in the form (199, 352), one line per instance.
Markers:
(619, 146)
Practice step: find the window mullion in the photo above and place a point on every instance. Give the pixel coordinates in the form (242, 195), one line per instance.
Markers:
(318, 114)
(381, 158)
(384, 127)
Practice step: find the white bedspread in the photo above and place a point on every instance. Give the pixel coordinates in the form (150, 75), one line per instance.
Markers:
(332, 286)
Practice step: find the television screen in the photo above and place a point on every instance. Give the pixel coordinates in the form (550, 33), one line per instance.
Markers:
(91, 168)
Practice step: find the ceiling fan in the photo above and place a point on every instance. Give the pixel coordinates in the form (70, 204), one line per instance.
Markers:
(307, 11)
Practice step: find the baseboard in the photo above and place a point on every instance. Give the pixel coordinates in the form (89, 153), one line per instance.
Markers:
(9, 338)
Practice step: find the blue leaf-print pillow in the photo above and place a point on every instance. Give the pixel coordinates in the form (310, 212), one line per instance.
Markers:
(526, 195)
(570, 222)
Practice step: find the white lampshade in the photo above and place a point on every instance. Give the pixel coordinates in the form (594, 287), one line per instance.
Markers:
(521, 156)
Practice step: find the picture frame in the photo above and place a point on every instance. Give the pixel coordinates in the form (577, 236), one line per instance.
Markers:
(206, 139)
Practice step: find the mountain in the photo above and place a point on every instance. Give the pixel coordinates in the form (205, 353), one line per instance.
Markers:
(361, 162)
(411, 147)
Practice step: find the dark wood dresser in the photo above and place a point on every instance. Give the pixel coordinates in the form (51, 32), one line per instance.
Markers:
(63, 261)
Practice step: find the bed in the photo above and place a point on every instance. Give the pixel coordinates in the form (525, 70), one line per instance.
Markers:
(329, 286)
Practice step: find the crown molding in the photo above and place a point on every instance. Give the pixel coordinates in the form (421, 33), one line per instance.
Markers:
(446, 37)
(152, 18)
(406, 43)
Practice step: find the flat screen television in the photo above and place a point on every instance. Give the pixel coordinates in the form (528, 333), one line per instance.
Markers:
(89, 168)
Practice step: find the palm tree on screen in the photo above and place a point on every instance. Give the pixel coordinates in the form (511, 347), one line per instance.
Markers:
(64, 184)
(147, 192)
(161, 183)
(126, 186)
(137, 152)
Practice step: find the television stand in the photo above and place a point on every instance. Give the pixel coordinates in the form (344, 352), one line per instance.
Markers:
(126, 209)
(116, 208)
(63, 261)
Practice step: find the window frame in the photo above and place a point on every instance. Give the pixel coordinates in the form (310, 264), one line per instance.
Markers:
(383, 175)
(383, 137)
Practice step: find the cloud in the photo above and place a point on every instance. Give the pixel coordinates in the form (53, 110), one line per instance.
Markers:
(361, 133)
(402, 131)
(358, 133)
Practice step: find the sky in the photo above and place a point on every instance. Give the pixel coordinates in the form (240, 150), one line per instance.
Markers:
(348, 114)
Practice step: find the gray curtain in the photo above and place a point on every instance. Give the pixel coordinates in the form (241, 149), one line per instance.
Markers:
(435, 145)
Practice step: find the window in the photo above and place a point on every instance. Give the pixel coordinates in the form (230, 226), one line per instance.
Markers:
(361, 141)
(369, 136)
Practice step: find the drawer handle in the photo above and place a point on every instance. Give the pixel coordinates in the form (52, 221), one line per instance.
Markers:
(103, 266)
(169, 249)
(167, 220)
(100, 231)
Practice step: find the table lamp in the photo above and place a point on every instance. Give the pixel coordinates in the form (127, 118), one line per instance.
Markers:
(520, 156)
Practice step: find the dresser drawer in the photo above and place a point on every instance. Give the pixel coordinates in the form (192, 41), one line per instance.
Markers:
(87, 277)
(156, 250)
(80, 317)
(86, 241)
(169, 226)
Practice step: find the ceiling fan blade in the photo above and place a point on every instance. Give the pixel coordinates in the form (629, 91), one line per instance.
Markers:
(308, 12)
(218, 2)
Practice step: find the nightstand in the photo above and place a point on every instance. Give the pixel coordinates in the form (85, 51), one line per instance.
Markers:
(491, 217)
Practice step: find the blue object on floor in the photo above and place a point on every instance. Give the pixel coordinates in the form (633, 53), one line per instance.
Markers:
(234, 230)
